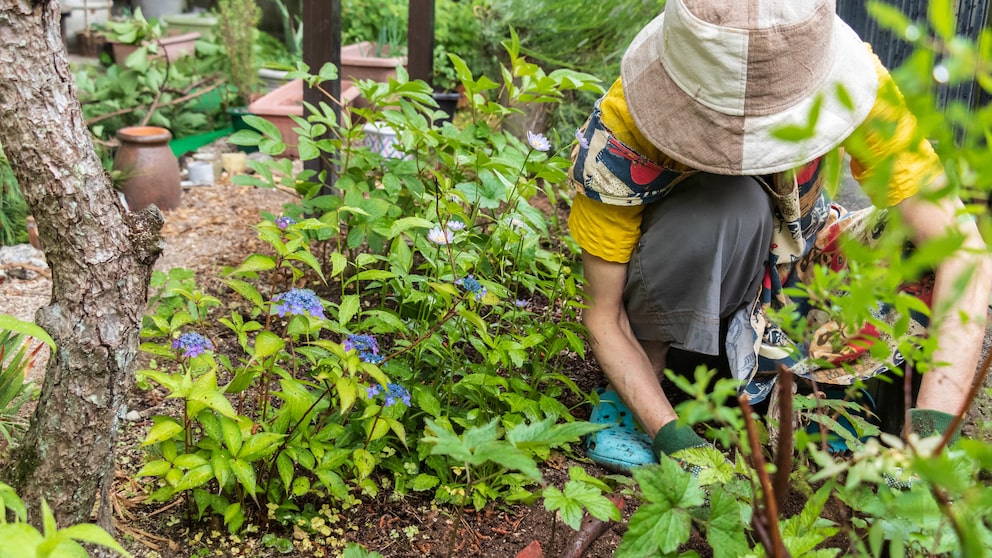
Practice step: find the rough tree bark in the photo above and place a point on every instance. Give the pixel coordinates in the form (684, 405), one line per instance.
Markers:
(101, 259)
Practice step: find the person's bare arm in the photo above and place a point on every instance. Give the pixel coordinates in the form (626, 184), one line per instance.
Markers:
(959, 318)
(619, 353)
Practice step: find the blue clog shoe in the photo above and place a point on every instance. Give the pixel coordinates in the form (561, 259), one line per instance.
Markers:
(623, 446)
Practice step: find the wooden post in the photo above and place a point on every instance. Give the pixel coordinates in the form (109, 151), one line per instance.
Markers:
(322, 44)
(420, 40)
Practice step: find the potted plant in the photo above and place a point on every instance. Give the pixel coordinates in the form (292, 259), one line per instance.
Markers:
(136, 32)
(159, 8)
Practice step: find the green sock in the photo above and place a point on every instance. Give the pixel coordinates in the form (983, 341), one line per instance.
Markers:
(674, 437)
(929, 422)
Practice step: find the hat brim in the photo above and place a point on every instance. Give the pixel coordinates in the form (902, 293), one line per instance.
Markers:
(712, 141)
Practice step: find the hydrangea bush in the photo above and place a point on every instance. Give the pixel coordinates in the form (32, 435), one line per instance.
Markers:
(406, 330)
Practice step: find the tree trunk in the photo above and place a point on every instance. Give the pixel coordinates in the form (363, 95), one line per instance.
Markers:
(101, 259)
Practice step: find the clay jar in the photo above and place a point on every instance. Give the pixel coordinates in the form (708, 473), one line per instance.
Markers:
(150, 172)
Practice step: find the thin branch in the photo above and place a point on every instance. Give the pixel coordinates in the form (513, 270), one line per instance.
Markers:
(783, 454)
(773, 541)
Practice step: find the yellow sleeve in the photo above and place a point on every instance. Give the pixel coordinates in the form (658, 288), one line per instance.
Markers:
(888, 144)
(607, 231)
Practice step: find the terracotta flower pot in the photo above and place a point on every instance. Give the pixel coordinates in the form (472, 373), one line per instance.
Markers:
(150, 170)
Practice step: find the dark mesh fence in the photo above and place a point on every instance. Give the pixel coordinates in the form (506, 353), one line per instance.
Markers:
(972, 15)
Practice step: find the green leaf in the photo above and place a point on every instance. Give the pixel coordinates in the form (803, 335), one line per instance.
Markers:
(10, 323)
(234, 518)
(568, 509)
(246, 290)
(654, 529)
(268, 344)
(245, 474)
(407, 223)
(287, 470)
(364, 462)
(941, 14)
(262, 125)
(156, 468)
(255, 262)
(19, 540)
(196, 477)
(165, 428)
(670, 484)
(93, 534)
(726, 528)
(424, 482)
(374, 275)
(260, 445)
(232, 435)
(348, 309)
(189, 461)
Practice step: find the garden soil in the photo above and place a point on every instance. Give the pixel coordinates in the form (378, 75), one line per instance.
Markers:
(213, 229)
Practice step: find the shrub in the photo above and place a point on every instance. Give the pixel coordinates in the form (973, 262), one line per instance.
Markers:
(403, 334)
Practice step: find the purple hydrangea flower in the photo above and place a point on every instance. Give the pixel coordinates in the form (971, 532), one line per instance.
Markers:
(583, 142)
(192, 344)
(298, 302)
(372, 391)
(437, 236)
(284, 222)
(471, 285)
(538, 141)
(367, 347)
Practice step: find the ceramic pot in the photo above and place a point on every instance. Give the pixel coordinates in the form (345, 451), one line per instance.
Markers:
(149, 168)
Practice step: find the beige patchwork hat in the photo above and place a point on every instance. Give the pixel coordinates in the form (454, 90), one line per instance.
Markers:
(708, 81)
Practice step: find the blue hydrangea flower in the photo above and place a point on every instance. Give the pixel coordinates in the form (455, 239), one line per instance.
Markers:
(367, 347)
(191, 344)
(538, 141)
(298, 302)
(284, 222)
(437, 236)
(583, 142)
(396, 393)
(471, 285)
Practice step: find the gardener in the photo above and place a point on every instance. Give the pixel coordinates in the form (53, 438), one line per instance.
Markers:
(693, 215)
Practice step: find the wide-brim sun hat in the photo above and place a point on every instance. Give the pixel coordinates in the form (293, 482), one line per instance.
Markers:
(708, 82)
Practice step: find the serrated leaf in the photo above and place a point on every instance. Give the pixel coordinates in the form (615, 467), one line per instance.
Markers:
(726, 528)
(654, 529)
(568, 509)
(424, 482)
